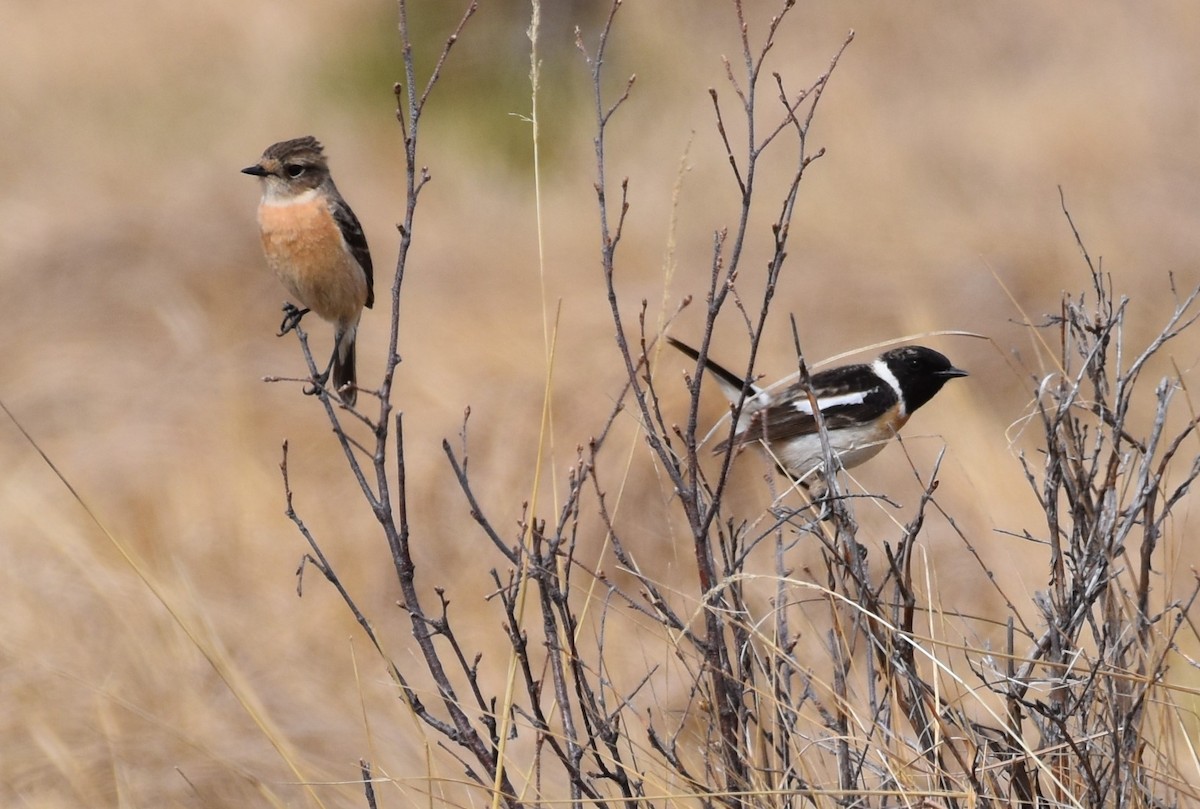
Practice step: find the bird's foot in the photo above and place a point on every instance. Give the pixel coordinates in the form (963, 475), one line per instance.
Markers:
(292, 315)
(318, 384)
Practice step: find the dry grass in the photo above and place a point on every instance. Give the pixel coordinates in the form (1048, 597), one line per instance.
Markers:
(138, 322)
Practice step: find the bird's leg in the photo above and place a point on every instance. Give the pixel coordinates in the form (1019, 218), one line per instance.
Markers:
(291, 317)
(320, 379)
(815, 489)
(822, 508)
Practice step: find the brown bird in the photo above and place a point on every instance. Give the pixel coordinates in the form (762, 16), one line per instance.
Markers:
(315, 245)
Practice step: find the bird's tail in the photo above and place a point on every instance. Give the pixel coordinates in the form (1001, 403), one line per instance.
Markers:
(731, 384)
(736, 389)
(345, 373)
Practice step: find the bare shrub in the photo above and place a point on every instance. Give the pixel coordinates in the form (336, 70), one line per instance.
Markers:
(1074, 710)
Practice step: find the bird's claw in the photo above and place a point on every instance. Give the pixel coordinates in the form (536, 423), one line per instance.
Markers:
(292, 315)
(317, 386)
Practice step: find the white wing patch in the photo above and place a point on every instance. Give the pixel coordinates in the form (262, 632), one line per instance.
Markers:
(803, 405)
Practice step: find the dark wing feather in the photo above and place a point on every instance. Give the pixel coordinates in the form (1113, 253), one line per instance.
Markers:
(782, 420)
(352, 232)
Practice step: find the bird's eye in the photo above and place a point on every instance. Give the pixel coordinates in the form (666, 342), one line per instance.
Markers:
(294, 170)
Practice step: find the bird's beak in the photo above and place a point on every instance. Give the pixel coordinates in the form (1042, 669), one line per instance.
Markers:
(256, 170)
(953, 372)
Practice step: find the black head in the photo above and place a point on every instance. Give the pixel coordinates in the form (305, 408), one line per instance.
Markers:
(920, 372)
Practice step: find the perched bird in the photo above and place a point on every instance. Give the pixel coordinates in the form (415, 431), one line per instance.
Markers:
(315, 245)
(863, 407)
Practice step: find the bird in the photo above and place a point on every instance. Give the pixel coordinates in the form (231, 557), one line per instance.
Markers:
(863, 406)
(315, 245)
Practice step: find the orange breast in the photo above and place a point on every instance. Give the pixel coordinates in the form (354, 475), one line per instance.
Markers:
(893, 421)
(305, 248)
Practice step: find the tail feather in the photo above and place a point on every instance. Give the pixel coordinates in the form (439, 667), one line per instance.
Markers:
(344, 371)
(731, 384)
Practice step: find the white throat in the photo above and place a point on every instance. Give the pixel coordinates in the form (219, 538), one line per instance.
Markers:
(277, 193)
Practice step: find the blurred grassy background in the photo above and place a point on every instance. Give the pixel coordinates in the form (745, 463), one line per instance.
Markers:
(138, 321)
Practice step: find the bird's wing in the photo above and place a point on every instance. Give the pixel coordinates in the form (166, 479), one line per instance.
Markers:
(352, 232)
(850, 396)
